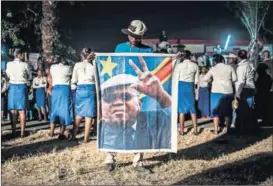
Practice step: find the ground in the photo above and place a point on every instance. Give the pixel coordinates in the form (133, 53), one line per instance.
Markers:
(204, 159)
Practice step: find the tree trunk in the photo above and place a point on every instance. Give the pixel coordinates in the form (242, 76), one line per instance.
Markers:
(48, 27)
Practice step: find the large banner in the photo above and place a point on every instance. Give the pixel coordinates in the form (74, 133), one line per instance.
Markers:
(137, 112)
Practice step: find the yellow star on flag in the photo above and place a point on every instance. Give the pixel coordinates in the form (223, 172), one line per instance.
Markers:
(108, 66)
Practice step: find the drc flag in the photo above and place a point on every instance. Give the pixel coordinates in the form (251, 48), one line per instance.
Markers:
(137, 112)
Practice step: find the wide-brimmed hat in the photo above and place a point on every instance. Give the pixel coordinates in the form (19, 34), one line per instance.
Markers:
(231, 55)
(136, 28)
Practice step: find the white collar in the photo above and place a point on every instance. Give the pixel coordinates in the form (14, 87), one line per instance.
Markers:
(242, 62)
(186, 60)
(17, 59)
(134, 125)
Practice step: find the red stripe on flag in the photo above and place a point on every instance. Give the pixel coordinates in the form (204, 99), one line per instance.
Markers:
(165, 70)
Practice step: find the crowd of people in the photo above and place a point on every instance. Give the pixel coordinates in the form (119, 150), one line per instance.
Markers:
(232, 93)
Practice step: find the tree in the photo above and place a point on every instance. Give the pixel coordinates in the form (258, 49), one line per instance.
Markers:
(48, 26)
(36, 23)
(252, 14)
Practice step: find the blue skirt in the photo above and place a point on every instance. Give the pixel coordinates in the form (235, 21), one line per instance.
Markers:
(204, 101)
(86, 101)
(17, 97)
(73, 96)
(40, 97)
(186, 100)
(61, 105)
(221, 105)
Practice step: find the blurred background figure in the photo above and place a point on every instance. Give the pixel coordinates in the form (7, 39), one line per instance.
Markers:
(203, 94)
(30, 105)
(39, 84)
(4, 88)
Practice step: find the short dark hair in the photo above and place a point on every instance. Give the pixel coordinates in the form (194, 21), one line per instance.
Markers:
(17, 52)
(188, 54)
(242, 54)
(217, 58)
(85, 52)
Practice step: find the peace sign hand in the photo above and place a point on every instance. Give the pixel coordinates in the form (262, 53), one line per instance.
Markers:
(148, 83)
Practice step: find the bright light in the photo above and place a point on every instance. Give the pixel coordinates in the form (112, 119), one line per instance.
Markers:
(227, 42)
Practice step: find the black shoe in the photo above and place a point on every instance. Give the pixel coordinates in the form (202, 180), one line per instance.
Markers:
(61, 137)
(142, 170)
(195, 133)
(109, 167)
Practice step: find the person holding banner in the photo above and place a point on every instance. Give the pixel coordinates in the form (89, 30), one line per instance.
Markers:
(19, 75)
(39, 84)
(186, 74)
(84, 77)
(135, 32)
(121, 110)
(61, 97)
(222, 91)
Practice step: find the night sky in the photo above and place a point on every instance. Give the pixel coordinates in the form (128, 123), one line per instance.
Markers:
(98, 24)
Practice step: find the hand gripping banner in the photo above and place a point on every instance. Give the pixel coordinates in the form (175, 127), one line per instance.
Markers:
(137, 111)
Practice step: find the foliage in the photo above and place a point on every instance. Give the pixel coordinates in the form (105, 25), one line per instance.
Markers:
(252, 14)
(11, 31)
(38, 18)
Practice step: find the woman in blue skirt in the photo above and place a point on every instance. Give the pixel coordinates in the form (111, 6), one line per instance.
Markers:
(222, 91)
(84, 77)
(61, 97)
(203, 94)
(186, 74)
(39, 84)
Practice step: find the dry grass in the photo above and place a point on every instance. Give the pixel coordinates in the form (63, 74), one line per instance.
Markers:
(202, 159)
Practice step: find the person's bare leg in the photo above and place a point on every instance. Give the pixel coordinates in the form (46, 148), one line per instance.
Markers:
(216, 124)
(52, 128)
(228, 123)
(181, 123)
(87, 127)
(194, 122)
(76, 126)
(14, 120)
(22, 114)
(2, 115)
(62, 129)
(44, 113)
(39, 113)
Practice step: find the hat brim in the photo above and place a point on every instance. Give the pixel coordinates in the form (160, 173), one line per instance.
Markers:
(127, 32)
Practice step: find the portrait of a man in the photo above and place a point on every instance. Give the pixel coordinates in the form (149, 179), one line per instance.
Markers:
(124, 126)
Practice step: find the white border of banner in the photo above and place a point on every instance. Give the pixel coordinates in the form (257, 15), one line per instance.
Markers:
(174, 106)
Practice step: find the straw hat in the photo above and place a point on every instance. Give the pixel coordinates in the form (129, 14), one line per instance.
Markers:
(136, 28)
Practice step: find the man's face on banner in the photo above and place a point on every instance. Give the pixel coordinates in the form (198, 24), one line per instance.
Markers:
(120, 104)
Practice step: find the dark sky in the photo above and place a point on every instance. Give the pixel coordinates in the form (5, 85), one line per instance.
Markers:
(98, 24)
